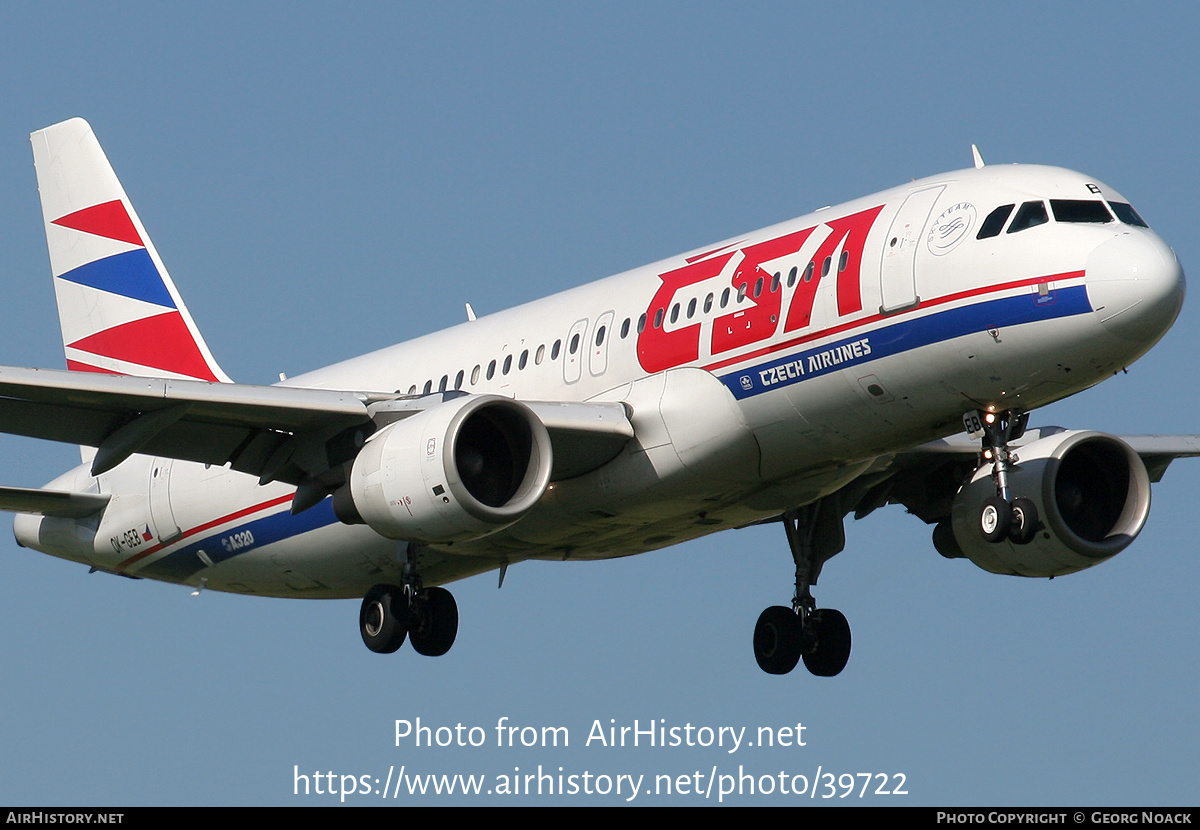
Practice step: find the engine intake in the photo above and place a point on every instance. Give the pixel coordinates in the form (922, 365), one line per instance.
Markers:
(1092, 495)
(459, 470)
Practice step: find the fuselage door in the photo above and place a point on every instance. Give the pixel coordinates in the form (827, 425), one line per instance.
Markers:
(598, 345)
(574, 350)
(161, 513)
(898, 271)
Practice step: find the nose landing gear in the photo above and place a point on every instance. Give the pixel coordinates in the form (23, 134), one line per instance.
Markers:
(1001, 516)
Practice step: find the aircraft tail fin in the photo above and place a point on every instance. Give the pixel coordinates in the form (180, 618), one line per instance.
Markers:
(119, 310)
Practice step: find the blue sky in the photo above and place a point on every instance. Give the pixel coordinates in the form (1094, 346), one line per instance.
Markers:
(326, 179)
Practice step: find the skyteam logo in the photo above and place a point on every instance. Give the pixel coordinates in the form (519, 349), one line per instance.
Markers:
(951, 228)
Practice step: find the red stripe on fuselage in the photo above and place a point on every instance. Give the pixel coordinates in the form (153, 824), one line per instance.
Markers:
(874, 318)
(201, 528)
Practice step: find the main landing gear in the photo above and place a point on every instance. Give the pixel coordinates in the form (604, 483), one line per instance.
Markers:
(427, 616)
(1001, 516)
(783, 636)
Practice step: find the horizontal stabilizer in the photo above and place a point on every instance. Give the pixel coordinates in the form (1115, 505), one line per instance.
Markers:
(61, 503)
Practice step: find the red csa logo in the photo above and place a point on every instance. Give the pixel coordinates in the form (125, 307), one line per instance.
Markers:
(659, 349)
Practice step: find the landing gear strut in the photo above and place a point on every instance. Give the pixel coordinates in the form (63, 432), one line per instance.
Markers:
(427, 616)
(820, 636)
(1001, 516)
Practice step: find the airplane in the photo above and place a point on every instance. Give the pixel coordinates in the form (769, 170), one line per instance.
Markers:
(888, 350)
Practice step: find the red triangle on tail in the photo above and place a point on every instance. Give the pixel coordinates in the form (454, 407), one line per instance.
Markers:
(108, 219)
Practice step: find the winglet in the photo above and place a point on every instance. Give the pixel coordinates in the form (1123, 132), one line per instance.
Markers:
(118, 308)
(976, 155)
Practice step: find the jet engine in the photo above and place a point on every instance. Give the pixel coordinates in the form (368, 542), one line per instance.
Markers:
(1092, 495)
(459, 470)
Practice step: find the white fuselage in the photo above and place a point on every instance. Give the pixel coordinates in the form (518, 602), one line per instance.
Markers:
(756, 384)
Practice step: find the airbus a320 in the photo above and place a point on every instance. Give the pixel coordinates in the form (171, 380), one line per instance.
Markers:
(886, 350)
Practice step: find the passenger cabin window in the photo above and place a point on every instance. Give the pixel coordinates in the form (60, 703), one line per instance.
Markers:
(994, 222)
(1127, 214)
(1079, 210)
(1029, 215)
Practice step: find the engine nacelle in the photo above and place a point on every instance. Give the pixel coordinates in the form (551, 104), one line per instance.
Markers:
(1092, 495)
(459, 470)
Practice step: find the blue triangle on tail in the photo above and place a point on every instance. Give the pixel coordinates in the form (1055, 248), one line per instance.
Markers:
(131, 274)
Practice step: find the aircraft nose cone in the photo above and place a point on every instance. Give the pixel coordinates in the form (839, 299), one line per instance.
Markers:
(1136, 286)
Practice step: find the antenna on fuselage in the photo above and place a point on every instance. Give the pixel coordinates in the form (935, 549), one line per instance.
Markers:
(975, 155)
(470, 313)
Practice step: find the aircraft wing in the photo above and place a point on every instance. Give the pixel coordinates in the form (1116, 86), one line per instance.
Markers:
(269, 431)
(925, 478)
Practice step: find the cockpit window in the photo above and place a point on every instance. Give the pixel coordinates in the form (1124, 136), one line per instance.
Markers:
(1079, 210)
(994, 222)
(1029, 215)
(1127, 214)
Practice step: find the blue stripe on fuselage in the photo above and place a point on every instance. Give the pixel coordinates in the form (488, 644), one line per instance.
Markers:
(179, 565)
(905, 336)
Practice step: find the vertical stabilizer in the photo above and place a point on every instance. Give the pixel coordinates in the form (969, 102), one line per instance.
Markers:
(119, 311)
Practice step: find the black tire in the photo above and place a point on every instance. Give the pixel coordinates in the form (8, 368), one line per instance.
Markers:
(433, 622)
(382, 630)
(995, 518)
(777, 640)
(1023, 526)
(832, 650)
